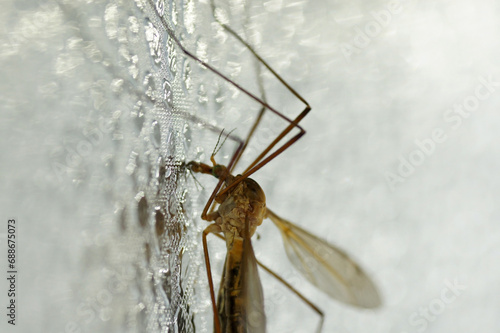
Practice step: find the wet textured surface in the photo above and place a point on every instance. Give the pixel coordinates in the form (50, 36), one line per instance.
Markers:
(398, 166)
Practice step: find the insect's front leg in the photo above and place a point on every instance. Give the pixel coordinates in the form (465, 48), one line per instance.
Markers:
(212, 216)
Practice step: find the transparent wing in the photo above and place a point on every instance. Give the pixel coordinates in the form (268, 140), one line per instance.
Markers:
(325, 266)
(253, 295)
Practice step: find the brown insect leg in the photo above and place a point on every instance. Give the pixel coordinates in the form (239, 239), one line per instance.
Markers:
(249, 47)
(259, 116)
(292, 289)
(296, 292)
(213, 228)
(255, 164)
(250, 134)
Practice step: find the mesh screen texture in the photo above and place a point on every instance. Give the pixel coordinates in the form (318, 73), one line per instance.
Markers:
(100, 110)
(98, 89)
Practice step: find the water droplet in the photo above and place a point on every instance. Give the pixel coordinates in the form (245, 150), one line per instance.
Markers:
(133, 24)
(187, 135)
(153, 38)
(132, 163)
(202, 94)
(171, 144)
(123, 219)
(160, 223)
(200, 154)
(172, 60)
(156, 139)
(133, 70)
(111, 17)
(174, 14)
(161, 168)
(160, 7)
(117, 85)
(150, 84)
(168, 172)
(186, 76)
(138, 116)
(167, 94)
(142, 212)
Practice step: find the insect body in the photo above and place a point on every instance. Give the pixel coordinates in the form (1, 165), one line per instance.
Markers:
(240, 306)
(241, 210)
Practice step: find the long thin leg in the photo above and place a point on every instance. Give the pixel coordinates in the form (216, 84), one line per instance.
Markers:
(260, 161)
(292, 289)
(256, 165)
(212, 228)
(249, 47)
(296, 292)
(216, 192)
(260, 84)
(224, 77)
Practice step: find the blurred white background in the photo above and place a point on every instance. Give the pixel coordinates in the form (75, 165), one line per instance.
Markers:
(398, 166)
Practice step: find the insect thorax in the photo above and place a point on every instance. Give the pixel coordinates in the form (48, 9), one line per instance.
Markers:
(245, 202)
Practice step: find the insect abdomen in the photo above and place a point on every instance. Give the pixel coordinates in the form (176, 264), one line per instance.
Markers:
(230, 301)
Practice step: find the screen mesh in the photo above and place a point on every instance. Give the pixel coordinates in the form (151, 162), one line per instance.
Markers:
(109, 94)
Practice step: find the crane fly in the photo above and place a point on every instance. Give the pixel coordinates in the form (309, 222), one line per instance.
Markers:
(240, 302)
(241, 207)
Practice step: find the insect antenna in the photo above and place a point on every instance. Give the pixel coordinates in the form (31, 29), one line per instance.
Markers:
(196, 181)
(217, 147)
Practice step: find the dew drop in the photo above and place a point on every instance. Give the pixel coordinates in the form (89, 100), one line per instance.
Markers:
(117, 85)
(138, 116)
(186, 76)
(133, 24)
(159, 224)
(153, 38)
(142, 212)
(167, 94)
(156, 138)
(160, 7)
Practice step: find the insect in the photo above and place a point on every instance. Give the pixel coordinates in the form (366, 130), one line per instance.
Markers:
(237, 206)
(242, 208)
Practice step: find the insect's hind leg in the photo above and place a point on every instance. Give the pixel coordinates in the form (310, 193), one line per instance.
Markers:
(258, 72)
(215, 229)
(296, 292)
(292, 289)
(255, 54)
(259, 116)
